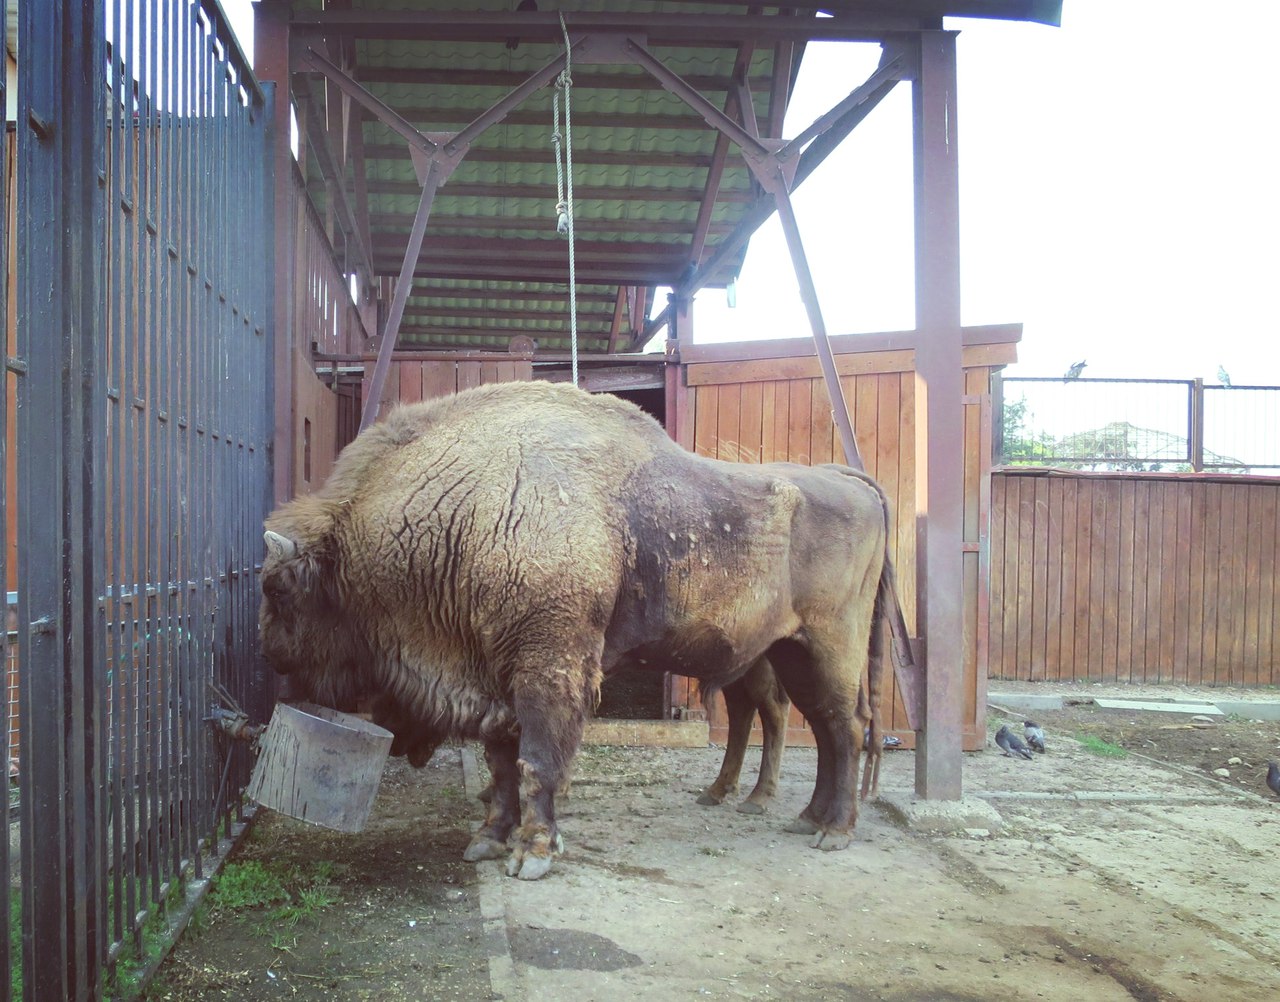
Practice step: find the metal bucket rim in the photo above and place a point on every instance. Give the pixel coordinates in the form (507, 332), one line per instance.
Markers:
(348, 722)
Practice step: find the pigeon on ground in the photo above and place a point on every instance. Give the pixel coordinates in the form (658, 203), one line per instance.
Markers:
(1073, 372)
(1034, 735)
(1011, 743)
(1273, 777)
(888, 741)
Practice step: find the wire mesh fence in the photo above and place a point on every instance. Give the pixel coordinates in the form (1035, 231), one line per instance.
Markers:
(1148, 425)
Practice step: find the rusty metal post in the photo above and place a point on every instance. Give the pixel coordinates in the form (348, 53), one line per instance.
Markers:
(1195, 418)
(271, 62)
(939, 416)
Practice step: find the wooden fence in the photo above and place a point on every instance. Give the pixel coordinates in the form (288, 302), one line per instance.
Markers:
(1135, 578)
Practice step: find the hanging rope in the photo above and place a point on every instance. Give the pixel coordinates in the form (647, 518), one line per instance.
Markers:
(564, 189)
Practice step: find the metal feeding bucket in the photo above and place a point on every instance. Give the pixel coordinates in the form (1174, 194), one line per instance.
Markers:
(320, 765)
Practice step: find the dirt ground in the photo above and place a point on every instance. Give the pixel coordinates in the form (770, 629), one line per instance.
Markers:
(1139, 877)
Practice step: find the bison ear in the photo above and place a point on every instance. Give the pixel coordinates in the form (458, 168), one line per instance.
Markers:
(280, 547)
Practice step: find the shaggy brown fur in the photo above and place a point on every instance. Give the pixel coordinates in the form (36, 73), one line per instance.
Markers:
(477, 563)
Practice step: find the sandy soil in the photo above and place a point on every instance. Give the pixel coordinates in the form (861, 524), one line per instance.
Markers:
(1142, 877)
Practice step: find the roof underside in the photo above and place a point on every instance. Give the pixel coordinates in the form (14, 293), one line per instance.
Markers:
(656, 190)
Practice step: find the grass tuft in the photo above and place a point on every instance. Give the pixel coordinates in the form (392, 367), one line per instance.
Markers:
(1097, 746)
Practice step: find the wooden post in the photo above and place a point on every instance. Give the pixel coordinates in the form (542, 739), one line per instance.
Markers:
(939, 415)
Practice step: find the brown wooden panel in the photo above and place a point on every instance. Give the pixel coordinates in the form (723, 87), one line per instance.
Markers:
(1011, 609)
(1252, 582)
(1124, 583)
(995, 664)
(1026, 572)
(1196, 592)
(791, 369)
(821, 425)
(1182, 581)
(768, 397)
(866, 404)
(1053, 580)
(439, 379)
(729, 404)
(798, 427)
(1102, 578)
(750, 409)
(470, 375)
(410, 382)
(1212, 565)
(1268, 543)
(888, 450)
(781, 421)
(1038, 579)
(705, 420)
(1237, 542)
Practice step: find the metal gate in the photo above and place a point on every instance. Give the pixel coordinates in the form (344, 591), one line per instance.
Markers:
(143, 380)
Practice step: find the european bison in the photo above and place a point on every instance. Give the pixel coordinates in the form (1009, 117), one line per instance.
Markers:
(478, 563)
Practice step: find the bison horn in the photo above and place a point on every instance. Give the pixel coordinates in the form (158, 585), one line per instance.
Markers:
(280, 546)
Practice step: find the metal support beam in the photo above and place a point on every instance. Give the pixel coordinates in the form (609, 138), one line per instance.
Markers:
(391, 329)
(939, 415)
(335, 176)
(61, 502)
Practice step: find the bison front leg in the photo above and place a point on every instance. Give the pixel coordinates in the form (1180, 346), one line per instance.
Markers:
(502, 805)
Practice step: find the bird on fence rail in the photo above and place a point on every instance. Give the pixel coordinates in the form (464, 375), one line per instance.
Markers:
(1034, 735)
(1273, 777)
(1011, 743)
(1223, 377)
(1074, 371)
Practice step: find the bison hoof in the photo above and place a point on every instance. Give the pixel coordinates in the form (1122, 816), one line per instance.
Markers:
(484, 847)
(750, 807)
(532, 861)
(832, 841)
(802, 826)
(709, 799)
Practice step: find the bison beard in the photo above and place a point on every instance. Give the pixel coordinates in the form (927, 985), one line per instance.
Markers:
(475, 565)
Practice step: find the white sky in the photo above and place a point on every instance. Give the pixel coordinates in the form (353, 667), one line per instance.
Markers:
(1118, 194)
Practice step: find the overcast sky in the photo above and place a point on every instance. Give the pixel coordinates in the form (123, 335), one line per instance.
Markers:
(1118, 194)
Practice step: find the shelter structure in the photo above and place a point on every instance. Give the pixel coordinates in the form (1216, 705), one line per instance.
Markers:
(489, 193)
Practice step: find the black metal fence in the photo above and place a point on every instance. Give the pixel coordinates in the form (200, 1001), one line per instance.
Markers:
(1153, 425)
(144, 423)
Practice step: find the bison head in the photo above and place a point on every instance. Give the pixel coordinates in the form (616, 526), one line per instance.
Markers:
(308, 631)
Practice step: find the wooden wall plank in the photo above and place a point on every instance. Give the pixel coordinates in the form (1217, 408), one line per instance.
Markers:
(768, 397)
(727, 437)
(705, 420)
(1237, 542)
(1269, 591)
(1182, 581)
(469, 375)
(439, 379)
(999, 487)
(1102, 582)
(1195, 593)
(1026, 569)
(1039, 568)
(821, 425)
(1053, 580)
(750, 423)
(865, 404)
(1212, 566)
(1252, 582)
(798, 369)
(1141, 561)
(1124, 582)
(410, 389)
(1097, 596)
(801, 395)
